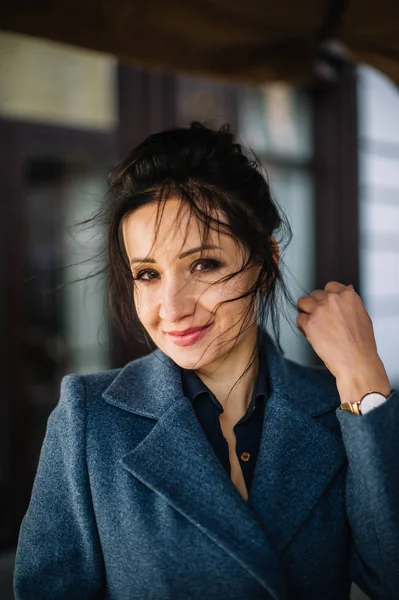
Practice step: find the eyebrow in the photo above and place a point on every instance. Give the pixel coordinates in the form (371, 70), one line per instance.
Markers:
(148, 259)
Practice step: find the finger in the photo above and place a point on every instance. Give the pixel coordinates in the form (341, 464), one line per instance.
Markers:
(306, 304)
(301, 321)
(319, 295)
(335, 286)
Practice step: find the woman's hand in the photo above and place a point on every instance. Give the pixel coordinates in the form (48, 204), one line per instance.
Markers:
(340, 330)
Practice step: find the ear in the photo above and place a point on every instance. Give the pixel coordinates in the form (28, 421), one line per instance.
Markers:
(276, 250)
(276, 257)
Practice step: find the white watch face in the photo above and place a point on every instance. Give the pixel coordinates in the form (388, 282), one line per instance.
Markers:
(371, 401)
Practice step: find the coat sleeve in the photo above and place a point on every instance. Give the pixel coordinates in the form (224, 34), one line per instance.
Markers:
(372, 497)
(59, 555)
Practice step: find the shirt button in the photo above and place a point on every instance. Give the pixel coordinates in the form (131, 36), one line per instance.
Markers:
(245, 456)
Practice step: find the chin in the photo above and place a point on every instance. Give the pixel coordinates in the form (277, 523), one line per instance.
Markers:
(186, 360)
(188, 357)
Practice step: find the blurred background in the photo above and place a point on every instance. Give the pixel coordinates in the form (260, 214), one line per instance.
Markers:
(327, 134)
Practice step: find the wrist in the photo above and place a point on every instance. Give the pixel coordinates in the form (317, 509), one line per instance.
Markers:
(352, 387)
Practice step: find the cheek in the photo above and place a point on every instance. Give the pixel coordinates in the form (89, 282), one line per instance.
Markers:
(212, 295)
(228, 290)
(142, 304)
(244, 283)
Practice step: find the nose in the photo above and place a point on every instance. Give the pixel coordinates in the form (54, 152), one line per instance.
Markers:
(175, 301)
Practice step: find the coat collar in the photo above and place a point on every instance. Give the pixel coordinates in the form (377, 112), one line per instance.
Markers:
(297, 459)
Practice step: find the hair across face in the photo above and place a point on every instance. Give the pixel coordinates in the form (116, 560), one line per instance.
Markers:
(182, 282)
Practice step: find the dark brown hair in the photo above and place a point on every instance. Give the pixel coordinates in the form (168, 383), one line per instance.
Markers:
(208, 170)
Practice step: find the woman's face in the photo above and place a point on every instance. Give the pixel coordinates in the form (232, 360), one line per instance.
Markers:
(172, 291)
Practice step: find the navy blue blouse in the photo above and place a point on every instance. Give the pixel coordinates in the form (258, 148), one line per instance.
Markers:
(248, 430)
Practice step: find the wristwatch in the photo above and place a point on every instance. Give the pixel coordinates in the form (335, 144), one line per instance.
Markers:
(368, 402)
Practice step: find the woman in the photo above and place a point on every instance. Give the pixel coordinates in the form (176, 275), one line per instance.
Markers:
(214, 467)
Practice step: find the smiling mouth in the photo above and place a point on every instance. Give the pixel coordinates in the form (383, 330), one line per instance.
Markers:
(188, 339)
(187, 331)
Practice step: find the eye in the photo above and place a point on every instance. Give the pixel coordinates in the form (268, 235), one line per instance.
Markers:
(208, 264)
(144, 275)
(205, 264)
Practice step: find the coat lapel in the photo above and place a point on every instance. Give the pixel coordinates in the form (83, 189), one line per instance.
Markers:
(297, 459)
(176, 461)
(298, 456)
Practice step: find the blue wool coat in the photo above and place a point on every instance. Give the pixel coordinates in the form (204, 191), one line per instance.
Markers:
(131, 503)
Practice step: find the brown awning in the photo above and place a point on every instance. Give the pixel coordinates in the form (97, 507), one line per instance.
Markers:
(236, 40)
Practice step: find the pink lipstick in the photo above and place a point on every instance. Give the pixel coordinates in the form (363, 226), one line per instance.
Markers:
(189, 336)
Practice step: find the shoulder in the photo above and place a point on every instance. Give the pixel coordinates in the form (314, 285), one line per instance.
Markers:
(74, 385)
(313, 389)
(317, 381)
(78, 394)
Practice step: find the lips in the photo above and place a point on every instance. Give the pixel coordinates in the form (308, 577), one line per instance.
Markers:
(187, 331)
(182, 338)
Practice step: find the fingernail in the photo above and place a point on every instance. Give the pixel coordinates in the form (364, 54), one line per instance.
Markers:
(351, 286)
